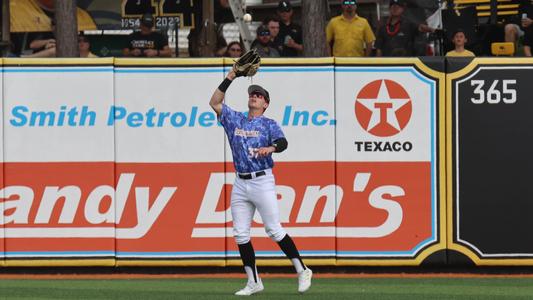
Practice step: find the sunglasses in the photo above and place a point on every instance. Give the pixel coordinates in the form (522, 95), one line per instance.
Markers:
(348, 2)
(256, 94)
(264, 33)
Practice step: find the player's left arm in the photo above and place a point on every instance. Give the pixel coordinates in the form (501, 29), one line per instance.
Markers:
(279, 142)
(165, 52)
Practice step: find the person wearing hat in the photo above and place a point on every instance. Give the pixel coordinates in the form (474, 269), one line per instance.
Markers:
(290, 33)
(396, 37)
(253, 139)
(263, 44)
(146, 42)
(349, 34)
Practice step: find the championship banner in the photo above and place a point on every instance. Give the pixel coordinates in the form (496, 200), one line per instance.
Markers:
(170, 151)
(490, 159)
(303, 104)
(167, 13)
(389, 160)
(59, 186)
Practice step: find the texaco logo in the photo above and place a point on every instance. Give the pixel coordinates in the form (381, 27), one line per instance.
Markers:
(383, 108)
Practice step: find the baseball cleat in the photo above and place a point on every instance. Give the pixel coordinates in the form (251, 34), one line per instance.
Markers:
(304, 280)
(250, 289)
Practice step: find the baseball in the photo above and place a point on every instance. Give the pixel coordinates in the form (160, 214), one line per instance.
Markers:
(247, 18)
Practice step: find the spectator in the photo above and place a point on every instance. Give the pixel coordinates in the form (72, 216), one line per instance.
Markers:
(44, 45)
(146, 42)
(349, 34)
(397, 36)
(527, 23)
(85, 47)
(273, 25)
(234, 49)
(290, 34)
(196, 39)
(521, 27)
(459, 40)
(7, 49)
(262, 43)
(513, 32)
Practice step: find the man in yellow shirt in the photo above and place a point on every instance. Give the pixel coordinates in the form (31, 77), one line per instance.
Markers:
(459, 40)
(349, 34)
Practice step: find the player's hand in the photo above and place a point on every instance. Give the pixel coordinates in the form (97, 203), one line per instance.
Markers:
(136, 52)
(231, 75)
(264, 151)
(526, 22)
(51, 43)
(291, 43)
(150, 53)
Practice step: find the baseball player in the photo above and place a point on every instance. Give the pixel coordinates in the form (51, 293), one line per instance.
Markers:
(253, 138)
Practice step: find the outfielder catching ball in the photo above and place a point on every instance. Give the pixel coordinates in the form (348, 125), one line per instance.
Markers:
(253, 139)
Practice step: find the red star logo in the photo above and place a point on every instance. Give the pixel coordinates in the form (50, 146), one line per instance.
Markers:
(383, 108)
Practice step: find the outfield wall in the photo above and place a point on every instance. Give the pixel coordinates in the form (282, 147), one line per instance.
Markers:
(490, 162)
(121, 162)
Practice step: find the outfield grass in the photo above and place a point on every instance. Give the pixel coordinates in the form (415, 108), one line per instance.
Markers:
(275, 288)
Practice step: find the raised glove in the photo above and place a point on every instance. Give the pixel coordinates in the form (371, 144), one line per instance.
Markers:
(248, 64)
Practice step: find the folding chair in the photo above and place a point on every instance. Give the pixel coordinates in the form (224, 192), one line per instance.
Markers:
(502, 49)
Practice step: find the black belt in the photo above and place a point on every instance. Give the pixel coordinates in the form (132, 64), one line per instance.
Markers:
(251, 175)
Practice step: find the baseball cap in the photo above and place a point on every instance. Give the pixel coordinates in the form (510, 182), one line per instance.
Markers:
(254, 88)
(397, 2)
(349, 2)
(263, 30)
(147, 20)
(284, 6)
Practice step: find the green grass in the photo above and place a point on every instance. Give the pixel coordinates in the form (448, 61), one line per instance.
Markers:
(275, 288)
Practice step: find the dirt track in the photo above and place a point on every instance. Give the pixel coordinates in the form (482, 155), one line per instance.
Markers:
(267, 275)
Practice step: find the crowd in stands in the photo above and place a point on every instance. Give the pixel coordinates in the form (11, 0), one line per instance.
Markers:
(347, 35)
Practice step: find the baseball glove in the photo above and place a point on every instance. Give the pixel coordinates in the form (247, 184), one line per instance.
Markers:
(248, 64)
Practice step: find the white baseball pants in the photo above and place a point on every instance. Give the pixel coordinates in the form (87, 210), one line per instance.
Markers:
(246, 196)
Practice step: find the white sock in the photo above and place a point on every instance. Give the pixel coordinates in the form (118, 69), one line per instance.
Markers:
(297, 265)
(250, 274)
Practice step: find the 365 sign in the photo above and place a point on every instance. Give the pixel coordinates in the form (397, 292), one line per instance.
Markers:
(491, 157)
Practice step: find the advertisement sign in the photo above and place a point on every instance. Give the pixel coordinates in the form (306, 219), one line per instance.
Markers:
(59, 182)
(123, 162)
(171, 146)
(490, 160)
(387, 160)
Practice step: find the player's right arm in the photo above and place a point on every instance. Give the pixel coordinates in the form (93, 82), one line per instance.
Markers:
(220, 92)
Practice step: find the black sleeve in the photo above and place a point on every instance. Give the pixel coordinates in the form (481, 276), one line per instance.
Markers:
(299, 35)
(528, 37)
(163, 41)
(128, 42)
(280, 145)
(378, 44)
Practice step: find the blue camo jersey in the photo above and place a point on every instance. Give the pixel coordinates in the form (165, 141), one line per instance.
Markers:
(247, 135)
